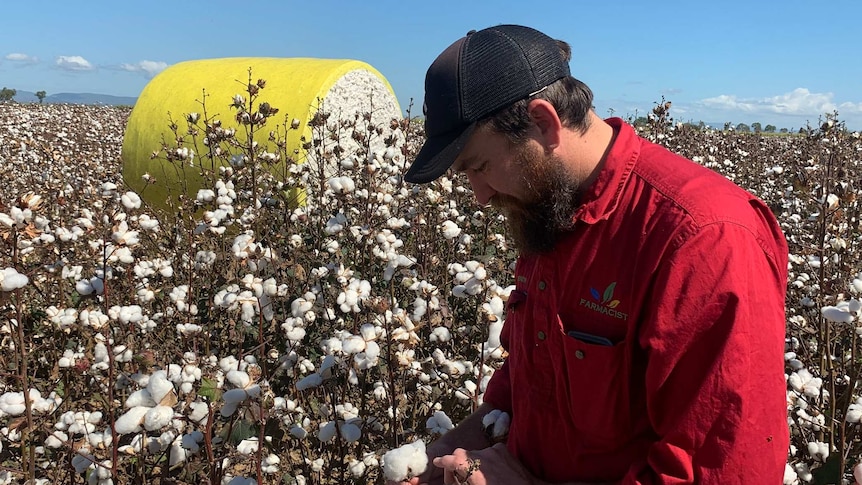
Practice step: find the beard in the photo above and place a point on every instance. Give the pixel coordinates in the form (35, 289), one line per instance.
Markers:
(537, 221)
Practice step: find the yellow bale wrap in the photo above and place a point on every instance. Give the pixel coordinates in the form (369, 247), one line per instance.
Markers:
(293, 85)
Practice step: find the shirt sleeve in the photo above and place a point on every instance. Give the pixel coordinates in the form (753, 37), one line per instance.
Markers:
(714, 378)
(499, 391)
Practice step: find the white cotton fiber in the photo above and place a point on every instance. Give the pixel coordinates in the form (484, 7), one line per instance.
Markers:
(238, 378)
(140, 398)
(130, 422)
(12, 280)
(439, 423)
(405, 462)
(360, 92)
(327, 431)
(159, 386)
(158, 417)
(309, 381)
(350, 432)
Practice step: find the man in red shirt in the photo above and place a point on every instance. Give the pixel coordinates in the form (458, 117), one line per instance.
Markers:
(646, 331)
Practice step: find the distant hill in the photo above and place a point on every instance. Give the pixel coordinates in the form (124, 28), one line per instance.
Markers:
(76, 98)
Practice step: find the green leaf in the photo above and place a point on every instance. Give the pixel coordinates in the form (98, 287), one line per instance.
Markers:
(60, 389)
(209, 389)
(609, 292)
(242, 429)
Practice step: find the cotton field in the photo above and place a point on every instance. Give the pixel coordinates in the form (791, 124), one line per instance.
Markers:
(295, 329)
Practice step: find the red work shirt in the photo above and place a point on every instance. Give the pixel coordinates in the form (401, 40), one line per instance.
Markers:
(685, 274)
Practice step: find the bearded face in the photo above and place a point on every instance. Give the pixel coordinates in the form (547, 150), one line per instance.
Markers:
(545, 212)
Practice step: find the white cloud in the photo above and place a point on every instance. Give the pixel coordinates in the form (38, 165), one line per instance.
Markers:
(74, 63)
(18, 57)
(799, 102)
(150, 68)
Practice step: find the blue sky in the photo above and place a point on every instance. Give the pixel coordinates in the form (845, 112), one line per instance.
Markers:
(783, 63)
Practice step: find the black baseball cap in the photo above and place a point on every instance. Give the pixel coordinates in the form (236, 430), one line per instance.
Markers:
(479, 74)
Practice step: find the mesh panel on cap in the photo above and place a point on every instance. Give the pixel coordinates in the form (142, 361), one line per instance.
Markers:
(504, 64)
(486, 90)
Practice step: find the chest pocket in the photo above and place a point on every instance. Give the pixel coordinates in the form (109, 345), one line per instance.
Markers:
(593, 386)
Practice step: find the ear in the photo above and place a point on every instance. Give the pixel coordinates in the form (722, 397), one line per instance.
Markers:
(547, 122)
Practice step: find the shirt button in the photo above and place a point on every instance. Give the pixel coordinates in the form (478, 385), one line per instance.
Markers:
(541, 336)
(542, 285)
(579, 354)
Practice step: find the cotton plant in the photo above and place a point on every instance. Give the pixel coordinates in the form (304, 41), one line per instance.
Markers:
(150, 408)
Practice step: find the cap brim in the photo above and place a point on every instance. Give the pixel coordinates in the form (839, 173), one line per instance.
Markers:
(437, 155)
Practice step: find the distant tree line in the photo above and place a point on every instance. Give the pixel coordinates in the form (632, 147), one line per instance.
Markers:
(7, 95)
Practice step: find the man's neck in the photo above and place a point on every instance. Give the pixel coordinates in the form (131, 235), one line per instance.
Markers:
(586, 152)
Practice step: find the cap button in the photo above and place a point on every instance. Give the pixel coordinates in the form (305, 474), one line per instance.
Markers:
(471, 32)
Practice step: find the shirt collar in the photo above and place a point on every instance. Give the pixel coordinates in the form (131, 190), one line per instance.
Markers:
(602, 197)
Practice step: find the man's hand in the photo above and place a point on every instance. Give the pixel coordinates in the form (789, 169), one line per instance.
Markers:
(494, 465)
(489, 466)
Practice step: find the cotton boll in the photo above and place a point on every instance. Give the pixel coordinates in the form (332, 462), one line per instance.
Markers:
(405, 462)
(310, 381)
(270, 464)
(440, 334)
(803, 471)
(130, 422)
(10, 279)
(439, 423)
(159, 386)
(131, 200)
(234, 396)
(56, 439)
(248, 447)
(229, 408)
(192, 441)
(491, 417)
(329, 363)
(81, 461)
(818, 450)
(327, 431)
(158, 417)
(450, 230)
(353, 344)
(356, 468)
(501, 425)
(238, 378)
(199, 412)
(350, 432)
(836, 314)
(298, 432)
(140, 398)
(854, 412)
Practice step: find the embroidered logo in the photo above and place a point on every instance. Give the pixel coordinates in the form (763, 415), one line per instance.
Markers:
(604, 303)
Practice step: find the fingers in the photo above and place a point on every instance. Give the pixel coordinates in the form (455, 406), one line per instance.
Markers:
(456, 467)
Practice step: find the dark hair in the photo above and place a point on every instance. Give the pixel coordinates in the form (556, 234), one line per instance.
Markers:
(570, 97)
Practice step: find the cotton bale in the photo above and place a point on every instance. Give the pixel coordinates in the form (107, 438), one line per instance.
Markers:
(298, 87)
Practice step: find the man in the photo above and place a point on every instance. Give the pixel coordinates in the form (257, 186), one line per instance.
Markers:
(646, 331)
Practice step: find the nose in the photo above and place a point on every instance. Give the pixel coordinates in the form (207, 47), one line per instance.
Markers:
(481, 189)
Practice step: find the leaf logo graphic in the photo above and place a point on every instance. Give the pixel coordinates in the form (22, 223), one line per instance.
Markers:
(609, 292)
(607, 297)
